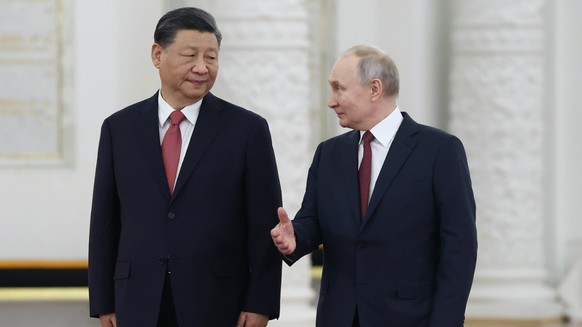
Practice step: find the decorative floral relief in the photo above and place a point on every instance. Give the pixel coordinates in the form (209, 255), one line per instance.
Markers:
(265, 67)
(497, 108)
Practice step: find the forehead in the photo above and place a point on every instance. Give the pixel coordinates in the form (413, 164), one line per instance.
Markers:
(196, 39)
(343, 69)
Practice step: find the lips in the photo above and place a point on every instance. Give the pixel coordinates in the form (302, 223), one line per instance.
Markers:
(197, 82)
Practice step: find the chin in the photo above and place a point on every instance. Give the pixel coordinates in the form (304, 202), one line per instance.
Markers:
(343, 124)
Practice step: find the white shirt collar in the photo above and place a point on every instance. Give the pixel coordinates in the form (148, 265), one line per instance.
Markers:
(386, 129)
(164, 110)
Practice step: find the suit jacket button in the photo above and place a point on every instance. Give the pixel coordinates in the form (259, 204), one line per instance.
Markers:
(359, 246)
(171, 215)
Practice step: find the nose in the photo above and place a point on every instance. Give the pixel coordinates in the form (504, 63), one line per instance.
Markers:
(331, 103)
(199, 66)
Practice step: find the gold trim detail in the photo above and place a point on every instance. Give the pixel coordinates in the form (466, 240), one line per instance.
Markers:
(43, 264)
(44, 294)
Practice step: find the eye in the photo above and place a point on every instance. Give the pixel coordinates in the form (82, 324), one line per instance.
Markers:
(336, 87)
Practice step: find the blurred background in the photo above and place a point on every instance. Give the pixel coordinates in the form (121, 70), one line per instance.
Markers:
(501, 75)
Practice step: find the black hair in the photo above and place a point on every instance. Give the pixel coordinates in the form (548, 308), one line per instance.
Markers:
(187, 18)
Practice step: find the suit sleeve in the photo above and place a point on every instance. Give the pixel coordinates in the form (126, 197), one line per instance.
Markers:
(263, 197)
(104, 229)
(306, 223)
(458, 236)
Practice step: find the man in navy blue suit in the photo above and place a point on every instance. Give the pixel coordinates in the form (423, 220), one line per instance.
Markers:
(188, 246)
(392, 204)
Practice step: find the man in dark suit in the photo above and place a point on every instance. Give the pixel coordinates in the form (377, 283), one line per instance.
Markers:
(392, 204)
(182, 208)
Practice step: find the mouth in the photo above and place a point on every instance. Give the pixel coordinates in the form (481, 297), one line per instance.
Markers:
(196, 82)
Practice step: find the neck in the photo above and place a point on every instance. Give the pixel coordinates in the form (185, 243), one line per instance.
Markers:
(178, 104)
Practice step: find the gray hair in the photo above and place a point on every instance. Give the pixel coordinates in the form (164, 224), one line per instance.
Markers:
(374, 63)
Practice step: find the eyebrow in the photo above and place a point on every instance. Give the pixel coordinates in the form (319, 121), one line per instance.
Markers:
(334, 83)
(195, 48)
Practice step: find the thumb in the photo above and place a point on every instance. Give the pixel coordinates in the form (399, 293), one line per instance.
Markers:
(283, 217)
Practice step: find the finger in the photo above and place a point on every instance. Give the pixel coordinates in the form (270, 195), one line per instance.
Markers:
(282, 246)
(241, 319)
(283, 217)
(275, 232)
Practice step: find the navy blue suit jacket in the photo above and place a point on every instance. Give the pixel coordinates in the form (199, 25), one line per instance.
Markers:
(410, 261)
(212, 234)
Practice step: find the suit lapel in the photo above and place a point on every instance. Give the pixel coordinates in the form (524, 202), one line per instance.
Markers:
(346, 167)
(404, 142)
(149, 133)
(210, 121)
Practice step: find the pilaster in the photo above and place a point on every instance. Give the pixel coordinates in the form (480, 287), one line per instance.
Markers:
(498, 87)
(265, 58)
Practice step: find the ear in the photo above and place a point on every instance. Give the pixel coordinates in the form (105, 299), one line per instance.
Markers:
(157, 55)
(376, 89)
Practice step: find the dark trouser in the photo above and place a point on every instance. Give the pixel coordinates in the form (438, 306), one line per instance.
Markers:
(167, 316)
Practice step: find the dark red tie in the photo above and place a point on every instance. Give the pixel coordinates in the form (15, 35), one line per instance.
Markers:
(365, 172)
(171, 146)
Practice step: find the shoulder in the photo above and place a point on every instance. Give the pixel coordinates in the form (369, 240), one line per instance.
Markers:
(339, 145)
(140, 107)
(426, 133)
(346, 137)
(430, 141)
(235, 112)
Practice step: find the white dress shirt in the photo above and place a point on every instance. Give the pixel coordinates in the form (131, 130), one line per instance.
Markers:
(186, 126)
(384, 133)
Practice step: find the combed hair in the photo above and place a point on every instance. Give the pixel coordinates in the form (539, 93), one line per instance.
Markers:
(187, 18)
(374, 63)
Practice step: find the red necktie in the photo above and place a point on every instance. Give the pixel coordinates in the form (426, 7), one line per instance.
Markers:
(171, 146)
(365, 172)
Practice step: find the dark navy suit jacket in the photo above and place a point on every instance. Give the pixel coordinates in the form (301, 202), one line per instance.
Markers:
(410, 261)
(213, 234)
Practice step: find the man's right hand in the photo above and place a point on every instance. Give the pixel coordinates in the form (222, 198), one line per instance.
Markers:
(108, 320)
(283, 234)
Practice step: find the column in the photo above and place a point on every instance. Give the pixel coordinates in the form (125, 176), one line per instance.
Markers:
(568, 149)
(265, 67)
(498, 87)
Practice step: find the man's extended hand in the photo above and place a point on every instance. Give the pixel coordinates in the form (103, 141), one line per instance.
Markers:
(283, 234)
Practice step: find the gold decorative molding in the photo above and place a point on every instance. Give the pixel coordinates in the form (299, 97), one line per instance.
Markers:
(44, 294)
(43, 264)
(555, 322)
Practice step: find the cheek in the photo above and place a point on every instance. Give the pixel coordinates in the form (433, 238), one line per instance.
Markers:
(174, 72)
(213, 71)
(167, 74)
(345, 101)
